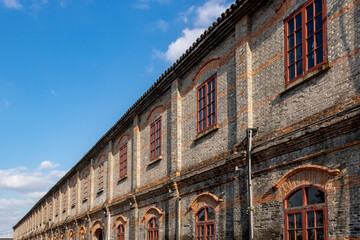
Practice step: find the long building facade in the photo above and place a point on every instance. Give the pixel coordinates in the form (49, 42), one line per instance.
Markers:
(276, 83)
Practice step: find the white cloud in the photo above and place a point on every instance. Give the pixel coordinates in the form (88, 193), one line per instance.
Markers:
(150, 68)
(209, 12)
(162, 25)
(53, 92)
(35, 195)
(23, 180)
(145, 4)
(201, 17)
(48, 165)
(179, 46)
(12, 4)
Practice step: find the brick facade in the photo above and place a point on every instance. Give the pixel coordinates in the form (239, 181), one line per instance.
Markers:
(307, 135)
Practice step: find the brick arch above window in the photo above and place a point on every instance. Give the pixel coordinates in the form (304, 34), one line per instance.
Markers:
(123, 139)
(98, 224)
(120, 220)
(152, 212)
(209, 65)
(205, 199)
(306, 174)
(100, 159)
(85, 173)
(154, 113)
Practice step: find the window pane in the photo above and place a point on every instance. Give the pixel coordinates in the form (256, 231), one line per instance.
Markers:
(319, 218)
(156, 222)
(310, 60)
(299, 220)
(319, 55)
(311, 234)
(310, 216)
(299, 52)
(310, 12)
(295, 199)
(291, 41)
(298, 36)
(318, 6)
(298, 21)
(291, 235)
(299, 234)
(201, 215)
(319, 39)
(319, 234)
(291, 221)
(299, 68)
(310, 43)
(318, 22)
(211, 214)
(291, 26)
(310, 28)
(291, 57)
(315, 196)
(292, 71)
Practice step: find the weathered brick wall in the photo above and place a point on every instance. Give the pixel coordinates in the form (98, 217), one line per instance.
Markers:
(249, 63)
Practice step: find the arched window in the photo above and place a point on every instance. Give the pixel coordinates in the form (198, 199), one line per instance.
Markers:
(153, 229)
(120, 232)
(205, 224)
(305, 214)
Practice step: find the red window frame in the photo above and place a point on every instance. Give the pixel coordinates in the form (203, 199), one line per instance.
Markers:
(207, 104)
(305, 40)
(101, 176)
(86, 186)
(205, 225)
(123, 161)
(120, 232)
(303, 211)
(152, 229)
(64, 199)
(73, 192)
(155, 139)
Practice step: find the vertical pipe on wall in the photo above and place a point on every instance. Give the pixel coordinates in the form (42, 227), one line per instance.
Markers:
(250, 209)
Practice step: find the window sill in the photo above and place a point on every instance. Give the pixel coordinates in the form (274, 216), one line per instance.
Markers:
(307, 77)
(155, 160)
(122, 178)
(206, 132)
(100, 191)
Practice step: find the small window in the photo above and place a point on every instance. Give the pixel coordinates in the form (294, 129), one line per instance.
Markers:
(86, 186)
(205, 224)
(155, 139)
(153, 229)
(206, 95)
(73, 194)
(101, 176)
(120, 232)
(305, 40)
(305, 211)
(123, 161)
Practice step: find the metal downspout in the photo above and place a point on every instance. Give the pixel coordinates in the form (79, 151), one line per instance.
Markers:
(248, 157)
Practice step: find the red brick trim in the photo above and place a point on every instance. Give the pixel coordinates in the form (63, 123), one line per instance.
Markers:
(123, 138)
(158, 213)
(208, 195)
(97, 224)
(119, 220)
(299, 169)
(157, 109)
(211, 64)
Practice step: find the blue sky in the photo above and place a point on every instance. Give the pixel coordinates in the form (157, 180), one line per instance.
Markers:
(69, 69)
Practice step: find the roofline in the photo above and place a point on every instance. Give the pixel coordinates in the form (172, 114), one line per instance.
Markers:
(194, 54)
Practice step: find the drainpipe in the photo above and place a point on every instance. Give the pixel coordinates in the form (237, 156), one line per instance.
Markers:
(250, 209)
(108, 224)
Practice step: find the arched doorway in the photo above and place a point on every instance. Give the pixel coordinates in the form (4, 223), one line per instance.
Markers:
(99, 234)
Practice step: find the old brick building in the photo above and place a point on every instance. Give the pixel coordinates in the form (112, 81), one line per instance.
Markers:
(284, 72)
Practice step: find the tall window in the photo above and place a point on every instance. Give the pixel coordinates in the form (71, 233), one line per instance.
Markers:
(120, 232)
(305, 214)
(73, 192)
(205, 224)
(64, 191)
(305, 39)
(101, 176)
(207, 104)
(86, 185)
(57, 203)
(123, 161)
(155, 139)
(153, 229)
